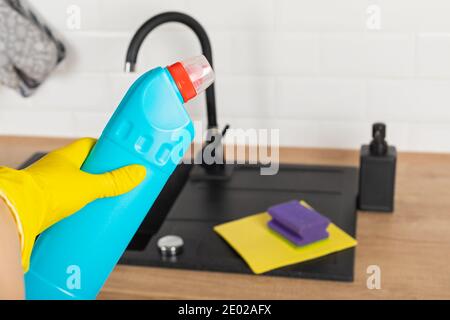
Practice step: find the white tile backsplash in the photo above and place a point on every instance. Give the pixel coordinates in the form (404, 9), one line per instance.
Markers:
(237, 15)
(129, 15)
(430, 137)
(90, 124)
(16, 121)
(320, 99)
(433, 52)
(312, 69)
(433, 102)
(391, 99)
(95, 52)
(268, 53)
(294, 53)
(367, 54)
(91, 92)
(320, 15)
(433, 15)
(245, 96)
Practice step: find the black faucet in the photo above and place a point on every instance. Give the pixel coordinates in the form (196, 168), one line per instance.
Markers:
(195, 26)
(214, 136)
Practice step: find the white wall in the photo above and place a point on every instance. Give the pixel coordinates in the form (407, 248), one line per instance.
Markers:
(309, 67)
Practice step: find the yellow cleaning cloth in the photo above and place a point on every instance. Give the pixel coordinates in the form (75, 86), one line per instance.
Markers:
(265, 250)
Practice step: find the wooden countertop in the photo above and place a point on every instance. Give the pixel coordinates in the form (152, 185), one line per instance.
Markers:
(411, 246)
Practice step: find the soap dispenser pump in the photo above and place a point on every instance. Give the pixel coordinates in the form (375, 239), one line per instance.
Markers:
(377, 172)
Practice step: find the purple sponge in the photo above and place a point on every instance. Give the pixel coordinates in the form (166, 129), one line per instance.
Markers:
(297, 223)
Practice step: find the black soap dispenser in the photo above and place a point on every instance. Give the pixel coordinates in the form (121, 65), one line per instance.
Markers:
(377, 173)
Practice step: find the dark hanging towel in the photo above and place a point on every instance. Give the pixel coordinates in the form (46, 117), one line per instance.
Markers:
(28, 49)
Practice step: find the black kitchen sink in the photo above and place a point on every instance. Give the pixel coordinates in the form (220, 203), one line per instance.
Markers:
(192, 203)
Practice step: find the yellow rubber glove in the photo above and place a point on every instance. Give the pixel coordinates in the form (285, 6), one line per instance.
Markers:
(54, 187)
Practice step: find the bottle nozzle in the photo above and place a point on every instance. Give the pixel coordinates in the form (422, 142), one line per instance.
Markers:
(378, 146)
(192, 76)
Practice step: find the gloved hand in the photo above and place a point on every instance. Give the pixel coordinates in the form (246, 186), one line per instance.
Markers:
(54, 187)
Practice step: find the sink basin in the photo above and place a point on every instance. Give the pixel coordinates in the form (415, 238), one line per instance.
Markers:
(201, 204)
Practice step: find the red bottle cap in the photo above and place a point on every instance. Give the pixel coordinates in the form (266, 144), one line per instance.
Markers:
(192, 76)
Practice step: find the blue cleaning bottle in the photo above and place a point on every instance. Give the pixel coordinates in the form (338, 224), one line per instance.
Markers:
(73, 258)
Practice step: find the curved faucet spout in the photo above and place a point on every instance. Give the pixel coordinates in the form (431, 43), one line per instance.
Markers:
(200, 32)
